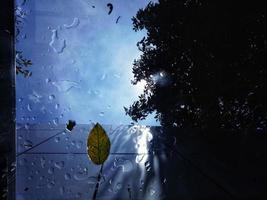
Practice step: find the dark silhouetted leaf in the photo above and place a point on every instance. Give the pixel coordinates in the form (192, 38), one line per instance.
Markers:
(98, 145)
(70, 125)
(117, 20)
(110, 8)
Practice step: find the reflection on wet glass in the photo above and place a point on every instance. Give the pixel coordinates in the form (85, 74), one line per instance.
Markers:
(142, 137)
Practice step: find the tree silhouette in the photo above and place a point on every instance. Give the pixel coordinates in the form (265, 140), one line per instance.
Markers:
(203, 63)
(22, 63)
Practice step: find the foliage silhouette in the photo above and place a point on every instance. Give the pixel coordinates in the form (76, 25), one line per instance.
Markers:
(203, 63)
(22, 63)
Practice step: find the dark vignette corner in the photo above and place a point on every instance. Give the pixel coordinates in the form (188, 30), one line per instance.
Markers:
(7, 100)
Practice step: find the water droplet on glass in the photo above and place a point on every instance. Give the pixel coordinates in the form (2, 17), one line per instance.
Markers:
(62, 190)
(79, 144)
(57, 139)
(147, 166)
(58, 45)
(42, 162)
(124, 164)
(48, 80)
(51, 97)
(57, 106)
(164, 180)
(27, 126)
(20, 99)
(151, 191)
(74, 23)
(78, 195)
(35, 97)
(50, 170)
(23, 161)
(59, 165)
(101, 114)
(81, 175)
(29, 107)
(73, 143)
(51, 184)
(55, 121)
(118, 186)
(67, 176)
(27, 144)
(65, 85)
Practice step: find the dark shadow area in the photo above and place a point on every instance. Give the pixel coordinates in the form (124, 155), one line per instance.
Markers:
(7, 101)
(203, 63)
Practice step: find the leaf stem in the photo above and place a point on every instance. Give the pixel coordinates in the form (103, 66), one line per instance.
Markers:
(97, 184)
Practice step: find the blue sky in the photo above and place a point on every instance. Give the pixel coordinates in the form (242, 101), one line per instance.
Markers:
(82, 62)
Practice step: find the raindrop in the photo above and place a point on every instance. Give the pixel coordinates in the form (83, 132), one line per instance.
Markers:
(79, 144)
(78, 195)
(42, 162)
(13, 166)
(51, 184)
(28, 144)
(29, 107)
(58, 45)
(124, 164)
(74, 24)
(101, 114)
(59, 165)
(139, 158)
(103, 77)
(35, 97)
(80, 175)
(20, 99)
(23, 161)
(27, 126)
(65, 85)
(118, 186)
(147, 166)
(57, 106)
(51, 97)
(67, 176)
(57, 139)
(50, 170)
(48, 80)
(182, 106)
(164, 180)
(151, 191)
(55, 121)
(62, 190)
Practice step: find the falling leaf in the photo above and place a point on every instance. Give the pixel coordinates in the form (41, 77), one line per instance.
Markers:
(98, 145)
(70, 125)
(117, 20)
(110, 8)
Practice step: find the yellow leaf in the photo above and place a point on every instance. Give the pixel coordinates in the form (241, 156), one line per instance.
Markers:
(98, 145)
